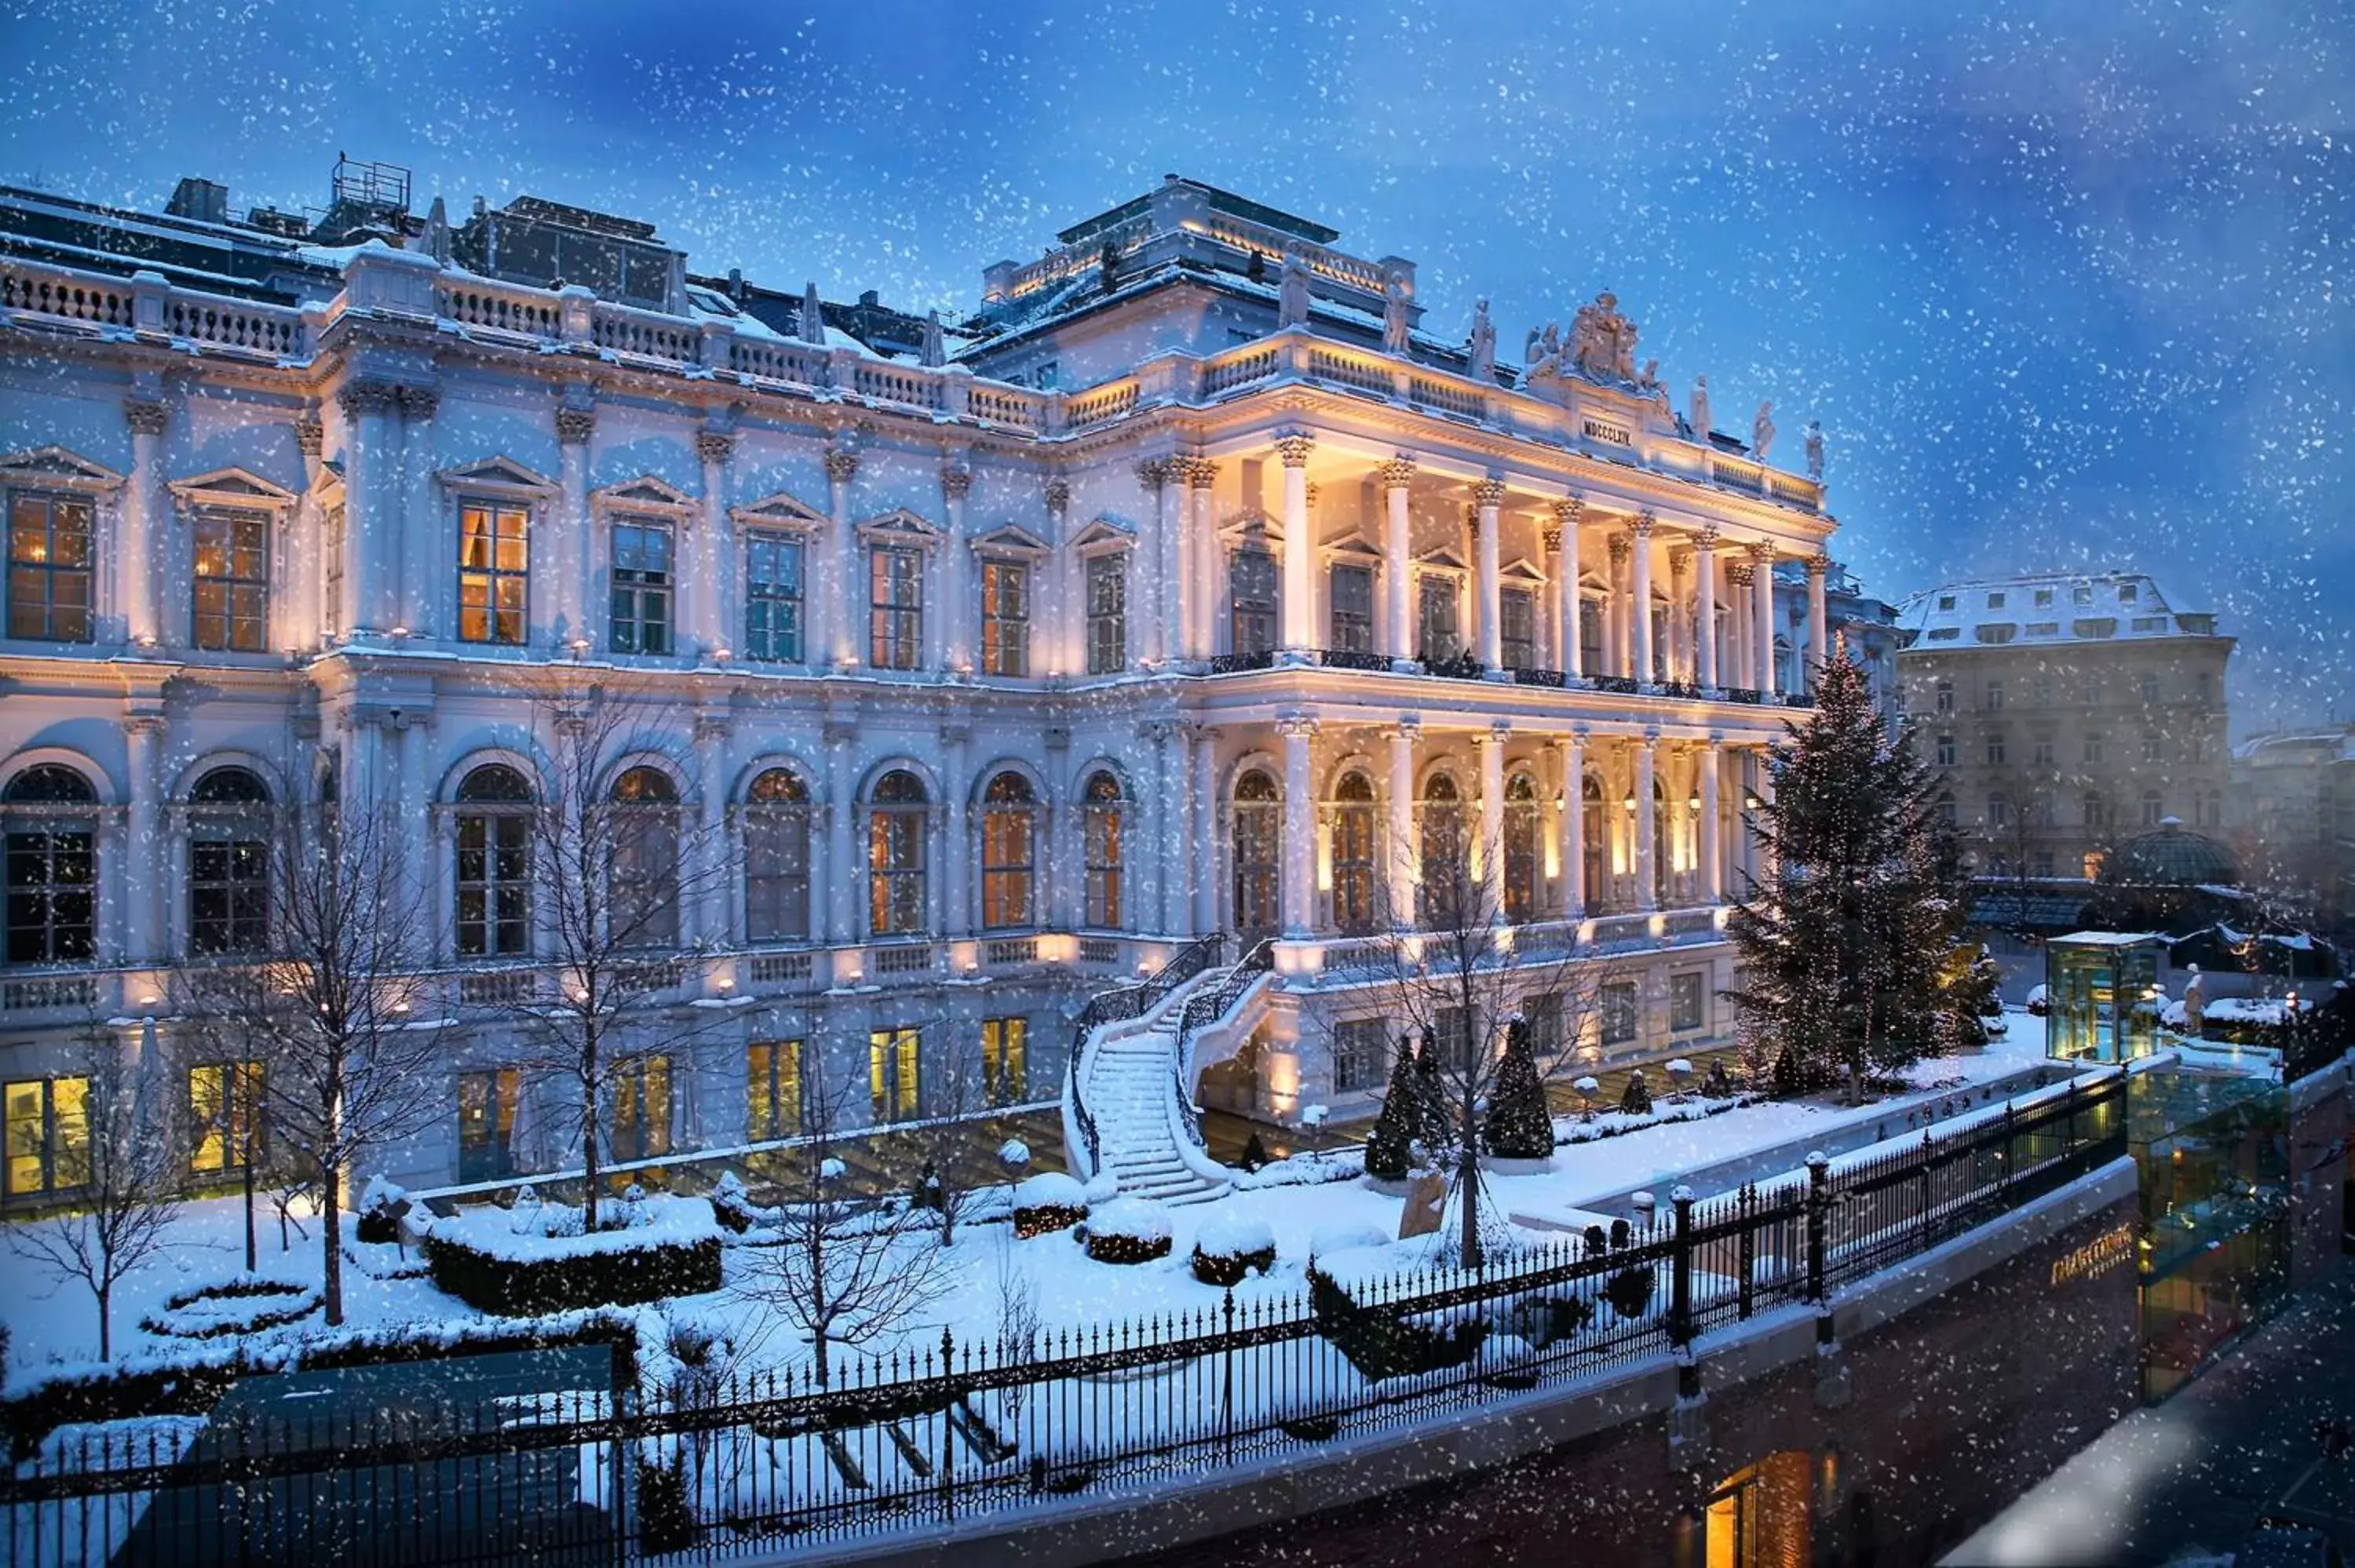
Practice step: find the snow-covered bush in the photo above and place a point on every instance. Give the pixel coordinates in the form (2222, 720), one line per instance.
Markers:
(245, 1304)
(2039, 1002)
(1049, 1201)
(1129, 1230)
(1637, 1098)
(382, 1203)
(495, 1269)
(1229, 1245)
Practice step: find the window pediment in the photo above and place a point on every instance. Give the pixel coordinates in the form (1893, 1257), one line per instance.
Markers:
(1353, 552)
(1442, 560)
(778, 510)
(500, 476)
(1102, 536)
(899, 526)
(229, 487)
(55, 468)
(1251, 527)
(1012, 541)
(645, 493)
(1521, 570)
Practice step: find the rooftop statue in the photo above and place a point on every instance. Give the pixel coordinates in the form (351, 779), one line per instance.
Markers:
(1762, 431)
(813, 322)
(1603, 341)
(1815, 451)
(1291, 292)
(1698, 410)
(936, 350)
(1484, 342)
(1396, 323)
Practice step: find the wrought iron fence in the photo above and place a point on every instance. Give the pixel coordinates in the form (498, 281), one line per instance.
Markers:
(928, 1436)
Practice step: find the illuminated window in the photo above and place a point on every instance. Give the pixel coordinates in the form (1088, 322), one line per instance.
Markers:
(49, 560)
(896, 818)
(641, 1109)
(1102, 827)
(776, 858)
(642, 586)
(1257, 831)
(225, 1115)
(1005, 619)
(894, 1075)
(1005, 1059)
(494, 863)
(47, 1135)
(1009, 853)
(772, 1088)
(232, 580)
(487, 1108)
(493, 573)
(772, 599)
(895, 587)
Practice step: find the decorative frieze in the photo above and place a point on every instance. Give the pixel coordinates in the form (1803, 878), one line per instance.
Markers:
(359, 397)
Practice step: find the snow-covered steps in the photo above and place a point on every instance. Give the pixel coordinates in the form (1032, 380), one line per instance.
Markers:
(1130, 1088)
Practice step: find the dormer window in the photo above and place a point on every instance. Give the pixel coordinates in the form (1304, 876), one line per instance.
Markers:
(2044, 597)
(1945, 601)
(2081, 594)
(1995, 601)
(2129, 593)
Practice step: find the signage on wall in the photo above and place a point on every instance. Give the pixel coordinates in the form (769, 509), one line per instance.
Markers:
(2106, 1252)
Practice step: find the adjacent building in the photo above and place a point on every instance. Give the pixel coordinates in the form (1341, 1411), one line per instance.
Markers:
(1191, 583)
(1865, 625)
(2291, 818)
(2066, 712)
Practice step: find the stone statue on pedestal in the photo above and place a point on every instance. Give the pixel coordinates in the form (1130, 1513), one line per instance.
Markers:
(1698, 410)
(1815, 451)
(1762, 431)
(1397, 323)
(936, 350)
(1292, 289)
(1484, 342)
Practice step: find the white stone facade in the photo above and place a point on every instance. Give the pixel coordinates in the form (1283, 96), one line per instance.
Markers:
(357, 538)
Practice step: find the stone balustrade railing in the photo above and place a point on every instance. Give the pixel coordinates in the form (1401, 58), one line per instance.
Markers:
(147, 306)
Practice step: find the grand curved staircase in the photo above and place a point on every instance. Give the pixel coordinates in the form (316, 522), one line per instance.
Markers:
(1128, 1109)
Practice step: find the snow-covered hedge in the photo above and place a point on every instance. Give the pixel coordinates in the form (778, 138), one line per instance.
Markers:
(1570, 1129)
(482, 1258)
(1049, 1201)
(242, 1304)
(1228, 1245)
(1129, 1230)
(1303, 1170)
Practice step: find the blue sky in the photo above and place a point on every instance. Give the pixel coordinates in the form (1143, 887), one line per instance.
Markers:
(2065, 283)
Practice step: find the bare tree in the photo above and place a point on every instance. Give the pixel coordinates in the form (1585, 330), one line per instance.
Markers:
(343, 1028)
(129, 1181)
(844, 1271)
(615, 865)
(1463, 972)
(951, 1167)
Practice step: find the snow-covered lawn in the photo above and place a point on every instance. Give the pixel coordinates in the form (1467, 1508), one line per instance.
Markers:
(1072, 1293)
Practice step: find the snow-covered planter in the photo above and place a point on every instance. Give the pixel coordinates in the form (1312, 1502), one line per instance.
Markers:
(484, 1262)
(381, 1207)
(247, 1304)
(731, 1205)
(1014, 1154)
(2040, 1002)
(1129, 1230)
(1230, 1245)
(1049, 1201)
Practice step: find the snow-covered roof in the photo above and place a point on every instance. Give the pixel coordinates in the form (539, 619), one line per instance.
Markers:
(2109, 939)
(2051, 608)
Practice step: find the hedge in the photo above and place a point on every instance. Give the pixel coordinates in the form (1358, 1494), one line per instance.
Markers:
(561, 1281)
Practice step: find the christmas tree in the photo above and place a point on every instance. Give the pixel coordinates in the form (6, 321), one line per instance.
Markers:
(1438, 1117)
(1518, 1125)
(1848, 936)
(1389, 1149)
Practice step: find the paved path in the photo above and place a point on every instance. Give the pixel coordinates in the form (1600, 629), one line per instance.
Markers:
(2186, 1481)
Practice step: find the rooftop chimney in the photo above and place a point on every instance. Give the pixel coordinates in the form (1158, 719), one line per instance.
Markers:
(207, 201)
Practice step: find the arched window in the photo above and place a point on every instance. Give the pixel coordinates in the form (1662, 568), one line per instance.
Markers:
(229, 862)
(1258, 811)
(1447, 869)
(1595, 838)
(897, 812)
(493, 876)
(1355, 855)
(776, 858)
(1009, 853)
(52, 834)
(1520, 848)
(1099, 822)
(641, 898)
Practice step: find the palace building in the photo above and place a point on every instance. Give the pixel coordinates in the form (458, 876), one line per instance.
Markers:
(1175, 590)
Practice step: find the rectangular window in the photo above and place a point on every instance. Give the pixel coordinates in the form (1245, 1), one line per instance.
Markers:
(1436, 628)
(1251, 584)
(1516, 630)
(224, 1116)
(772, 1089)
(2039, 751)
(892, 1072)
(1995, 697)
(1945, 704)
(772, 599)
(1005, 1059)
(49, 549)
(47, 1135)
(2149, 687)
(1590, 635)
(2154, 747)
(1995, 748)
(642, 587)
(2042, 689)
(1544, 1015)
(1107, 614)
(333, 547)
(1005, 619)
(641, 1109)
(232, 559)
(2093, 746)
(1362, 1058)
(1688, 1002)
(487, 1108)
(1945, 751)
(1353, 610)
(895, 589)
(493, 573)
(1616, 1007)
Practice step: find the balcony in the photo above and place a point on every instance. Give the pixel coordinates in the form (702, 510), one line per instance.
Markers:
(1626, 686)
(1530, 677)
(1237, 663)
(1354, 659)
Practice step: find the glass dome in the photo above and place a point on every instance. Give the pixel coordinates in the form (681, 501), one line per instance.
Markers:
(2173, 858)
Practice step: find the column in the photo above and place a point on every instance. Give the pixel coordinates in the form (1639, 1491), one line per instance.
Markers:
(1737, 625)
(1180, 814)
(1398, 561)
(1573, 824)
(1680, 620)
(714, 859)
(1639, 599)
(1573, 652)
(958, 850)
(1063, 609)
(1298, 635)
(143, 925)
(410, 805)
(1818, 633)
(715, 588)
(1299, 827)
(1711, 853)
(143, 521)
(418, 567)
(298, 619)
(571, 555)
(841, 824)
(1549, 652)
(1766, 856)
(1200, 591)
(1204, 861)
(1175, 604)
(1762, 613)
(1155, 576)
(842, 595)
(371, 517)
(1647, 847)
(1705, 608)
(960, 607)
(1614, 609)
(1401, 823)
(1489, 494)
(1489, 848)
